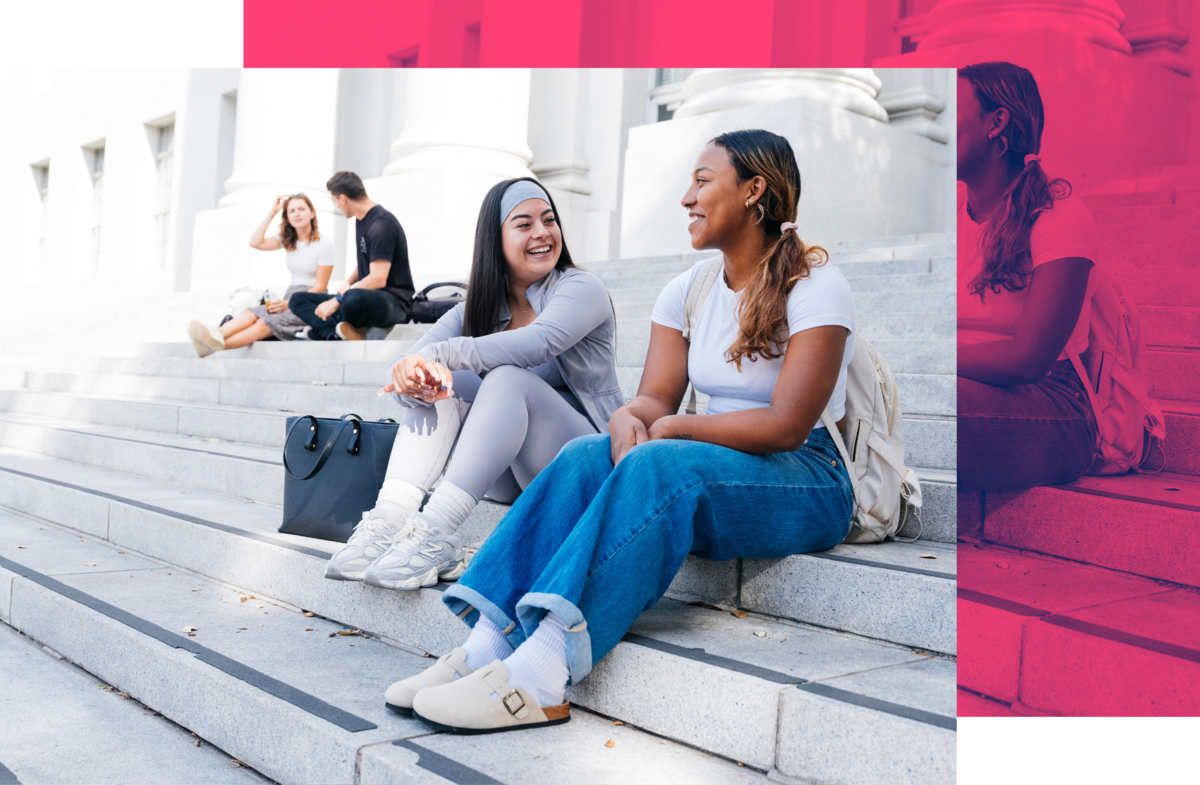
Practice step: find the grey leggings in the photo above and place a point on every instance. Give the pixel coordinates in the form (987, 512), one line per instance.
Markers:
(517, 425)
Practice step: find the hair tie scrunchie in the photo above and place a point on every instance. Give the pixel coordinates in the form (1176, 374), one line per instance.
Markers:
(783, 227)
(1031, 158)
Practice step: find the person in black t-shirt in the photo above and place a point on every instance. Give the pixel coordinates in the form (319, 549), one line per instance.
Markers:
(376, 294)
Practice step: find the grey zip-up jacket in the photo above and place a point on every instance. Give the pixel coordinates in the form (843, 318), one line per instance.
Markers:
(575, 325)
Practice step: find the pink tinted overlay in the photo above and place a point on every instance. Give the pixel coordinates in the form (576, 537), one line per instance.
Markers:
(569, 33)
(1081, 599)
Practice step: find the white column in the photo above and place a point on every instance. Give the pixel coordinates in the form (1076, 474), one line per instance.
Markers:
(961, 21)
(714, 89)
(464, 131)
(1158, 29)
(284, 143)
(465, 118)
(913, 98)
(285, 138)
(558, 130)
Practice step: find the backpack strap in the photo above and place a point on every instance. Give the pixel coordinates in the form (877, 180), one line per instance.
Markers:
(697, 295)
(831, 426)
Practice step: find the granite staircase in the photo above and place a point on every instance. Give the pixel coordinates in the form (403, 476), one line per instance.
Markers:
(1084, 599)
(141, 490)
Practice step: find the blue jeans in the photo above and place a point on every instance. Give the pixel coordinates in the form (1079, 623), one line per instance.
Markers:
(1013, 438)
(598, 545)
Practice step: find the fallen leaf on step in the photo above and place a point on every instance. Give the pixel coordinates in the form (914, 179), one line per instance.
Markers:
(197, 742)
(1003, 565)
(125, 696)
(743, 765)
(22, 548)
(308, 629)
(321, 384)
(927, 556)
(189, 629)
(618, 722)
(760, 634)
(89, 564)
(349, 632)
(120, 551)
(610, 743)
(740, 614)
(258, 606)
(309, 614)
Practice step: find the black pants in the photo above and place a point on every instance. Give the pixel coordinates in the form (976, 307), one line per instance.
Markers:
(360, 308)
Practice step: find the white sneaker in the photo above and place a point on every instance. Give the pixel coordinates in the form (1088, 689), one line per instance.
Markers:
(205, 339)
(419, 560)
(371, 539)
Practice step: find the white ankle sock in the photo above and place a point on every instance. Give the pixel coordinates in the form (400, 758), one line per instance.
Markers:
(397, 500)
(539, 665)
(448, 507)
(486, 644)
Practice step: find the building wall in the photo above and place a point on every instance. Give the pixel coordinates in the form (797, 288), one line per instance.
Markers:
(582, 127)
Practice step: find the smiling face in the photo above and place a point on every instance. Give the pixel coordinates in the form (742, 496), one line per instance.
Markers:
(532, 241)
(298, 213)
(715, 202)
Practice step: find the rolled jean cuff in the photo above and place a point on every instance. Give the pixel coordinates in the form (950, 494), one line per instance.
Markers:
(466, 603)
(534, 606)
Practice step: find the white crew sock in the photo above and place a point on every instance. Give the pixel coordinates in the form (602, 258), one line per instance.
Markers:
(485, 644)
(447, 508)
(397, 500)
(539, 665)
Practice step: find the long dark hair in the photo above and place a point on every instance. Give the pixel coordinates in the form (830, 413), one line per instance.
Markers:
(763, 310)
(1007, 261)
(486, 288)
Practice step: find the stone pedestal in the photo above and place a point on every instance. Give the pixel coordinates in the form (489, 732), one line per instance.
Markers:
(717, 89)
(955, 22)
(861, 178)
(465, 130)
(1105, 110)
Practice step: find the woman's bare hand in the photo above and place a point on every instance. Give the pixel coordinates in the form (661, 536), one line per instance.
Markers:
(277, 306)
(625, 432)
(417, 377)
(277, 205)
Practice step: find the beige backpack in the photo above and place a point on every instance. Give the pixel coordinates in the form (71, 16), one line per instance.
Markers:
(875, 456)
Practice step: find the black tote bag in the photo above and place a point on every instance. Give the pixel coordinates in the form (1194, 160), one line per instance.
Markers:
(333, 472)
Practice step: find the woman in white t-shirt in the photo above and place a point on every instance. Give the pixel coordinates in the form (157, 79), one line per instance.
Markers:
(1026, 250)
(309, 260)
(599, 535)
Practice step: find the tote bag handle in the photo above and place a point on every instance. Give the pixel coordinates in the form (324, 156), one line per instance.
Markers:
(352, 448)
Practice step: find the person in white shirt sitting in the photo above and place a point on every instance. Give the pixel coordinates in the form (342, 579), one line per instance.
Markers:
(310, 261)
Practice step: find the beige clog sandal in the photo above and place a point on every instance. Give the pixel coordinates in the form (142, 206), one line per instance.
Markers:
(399, 696)
(466, 705)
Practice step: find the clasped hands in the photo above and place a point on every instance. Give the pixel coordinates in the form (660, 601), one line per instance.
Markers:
(420, 378)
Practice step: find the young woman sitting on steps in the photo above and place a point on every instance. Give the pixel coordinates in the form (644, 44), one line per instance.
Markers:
(529, 357)
(1025, 255)
(599, 535)
(310, 261)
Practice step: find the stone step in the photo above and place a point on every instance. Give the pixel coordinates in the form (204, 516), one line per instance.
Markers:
(1115, 201)
(1181, 213)
(1143, 524)
(223, 472)
(295, 709)
(779, 683)
(1150, 259)
(1175, 287)
(1149, 235)
(930, 439)
(1171, 325)
(352, 385)
(1050, 636)
(1174, 374)
(87, 727)
(1183, 436)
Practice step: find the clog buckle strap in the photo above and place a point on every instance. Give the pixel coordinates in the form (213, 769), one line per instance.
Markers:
(511, 699)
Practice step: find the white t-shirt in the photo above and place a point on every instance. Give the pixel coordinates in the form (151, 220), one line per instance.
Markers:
(303, 262)
(1066, 230)
(823, 298)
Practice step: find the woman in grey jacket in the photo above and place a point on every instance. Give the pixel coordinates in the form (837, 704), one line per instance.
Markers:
(530, 356)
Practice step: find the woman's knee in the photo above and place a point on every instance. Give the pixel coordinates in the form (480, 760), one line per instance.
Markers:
(507, 382)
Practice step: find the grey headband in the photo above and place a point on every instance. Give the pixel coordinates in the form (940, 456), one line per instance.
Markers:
(517, 193)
